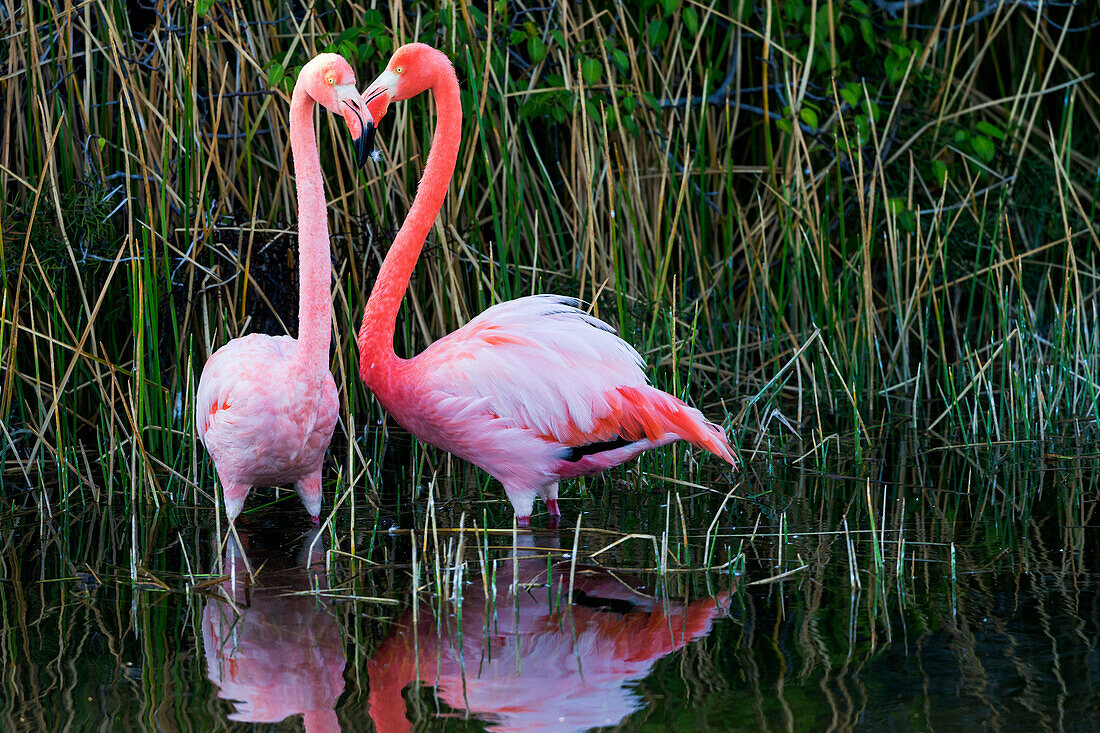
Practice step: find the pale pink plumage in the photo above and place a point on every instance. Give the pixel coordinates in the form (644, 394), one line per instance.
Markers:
(261, 424)
(266, 406)
(533, 390)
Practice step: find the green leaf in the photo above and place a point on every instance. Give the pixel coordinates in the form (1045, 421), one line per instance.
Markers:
(621, 60)
(939, 171)
(384, 44)
(536, 49)
(657, 31)
(275, 74)
(535, 106)
(785, 126)
(867, 32)
(860, 7)
(651, 100)
(591, 71)
(629, 103)
(610, 118)
(850, 94)
(844, 33)
(863, 130)
(984, 147)
(990, 130)
(896, 206)
(347, 35)
(515, 37)
(894, 69)
(795, 10)
(203, 7)
(630, 125)
(670, 6)
(691, 20)
(821, 30)
(808, 116)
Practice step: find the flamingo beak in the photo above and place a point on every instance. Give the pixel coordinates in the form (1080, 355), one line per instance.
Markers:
(379, 94)
(364, 144)
(362, 133)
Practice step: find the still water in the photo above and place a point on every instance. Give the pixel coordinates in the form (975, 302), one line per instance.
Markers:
(878, 600)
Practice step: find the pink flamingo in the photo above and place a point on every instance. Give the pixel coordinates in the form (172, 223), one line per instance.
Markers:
(533, 390)
(266, 405)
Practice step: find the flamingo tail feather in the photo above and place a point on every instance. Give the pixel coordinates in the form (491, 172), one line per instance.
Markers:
(650, 413)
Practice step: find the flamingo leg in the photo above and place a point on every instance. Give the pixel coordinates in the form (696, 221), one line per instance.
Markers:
(309, 489)
(233, 495)
(523, 522)
(550, 496)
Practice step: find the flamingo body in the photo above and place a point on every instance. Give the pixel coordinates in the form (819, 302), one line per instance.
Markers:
(525, 388)
(262, 426)
(266, 406)
(533, 390)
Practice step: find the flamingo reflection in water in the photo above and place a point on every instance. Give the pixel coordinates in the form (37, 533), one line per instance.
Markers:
(529, 667)
(273, 650)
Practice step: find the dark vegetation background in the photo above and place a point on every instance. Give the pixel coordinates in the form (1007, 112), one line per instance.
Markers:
(819, 221)
(862, 235)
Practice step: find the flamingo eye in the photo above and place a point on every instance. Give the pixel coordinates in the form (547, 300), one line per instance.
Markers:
(399, 69)
(331, 81)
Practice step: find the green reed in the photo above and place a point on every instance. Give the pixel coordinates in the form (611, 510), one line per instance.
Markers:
(810, 234)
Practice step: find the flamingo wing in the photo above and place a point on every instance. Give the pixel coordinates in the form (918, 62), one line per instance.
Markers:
(538, 361)
(542, 363)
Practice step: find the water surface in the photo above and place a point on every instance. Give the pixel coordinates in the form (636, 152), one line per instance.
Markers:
(897, 597)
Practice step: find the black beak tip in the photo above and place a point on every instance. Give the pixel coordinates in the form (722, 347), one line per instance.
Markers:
(364, 146)
(361, 150)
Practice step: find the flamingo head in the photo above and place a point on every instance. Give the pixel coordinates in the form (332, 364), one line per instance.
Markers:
(412, 69)
(331, 82)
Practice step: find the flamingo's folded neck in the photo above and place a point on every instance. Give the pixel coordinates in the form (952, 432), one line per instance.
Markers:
(314, 266)
(376, 355)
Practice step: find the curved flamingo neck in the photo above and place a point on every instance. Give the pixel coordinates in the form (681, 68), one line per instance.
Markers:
(380, 318)
(314, 266)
